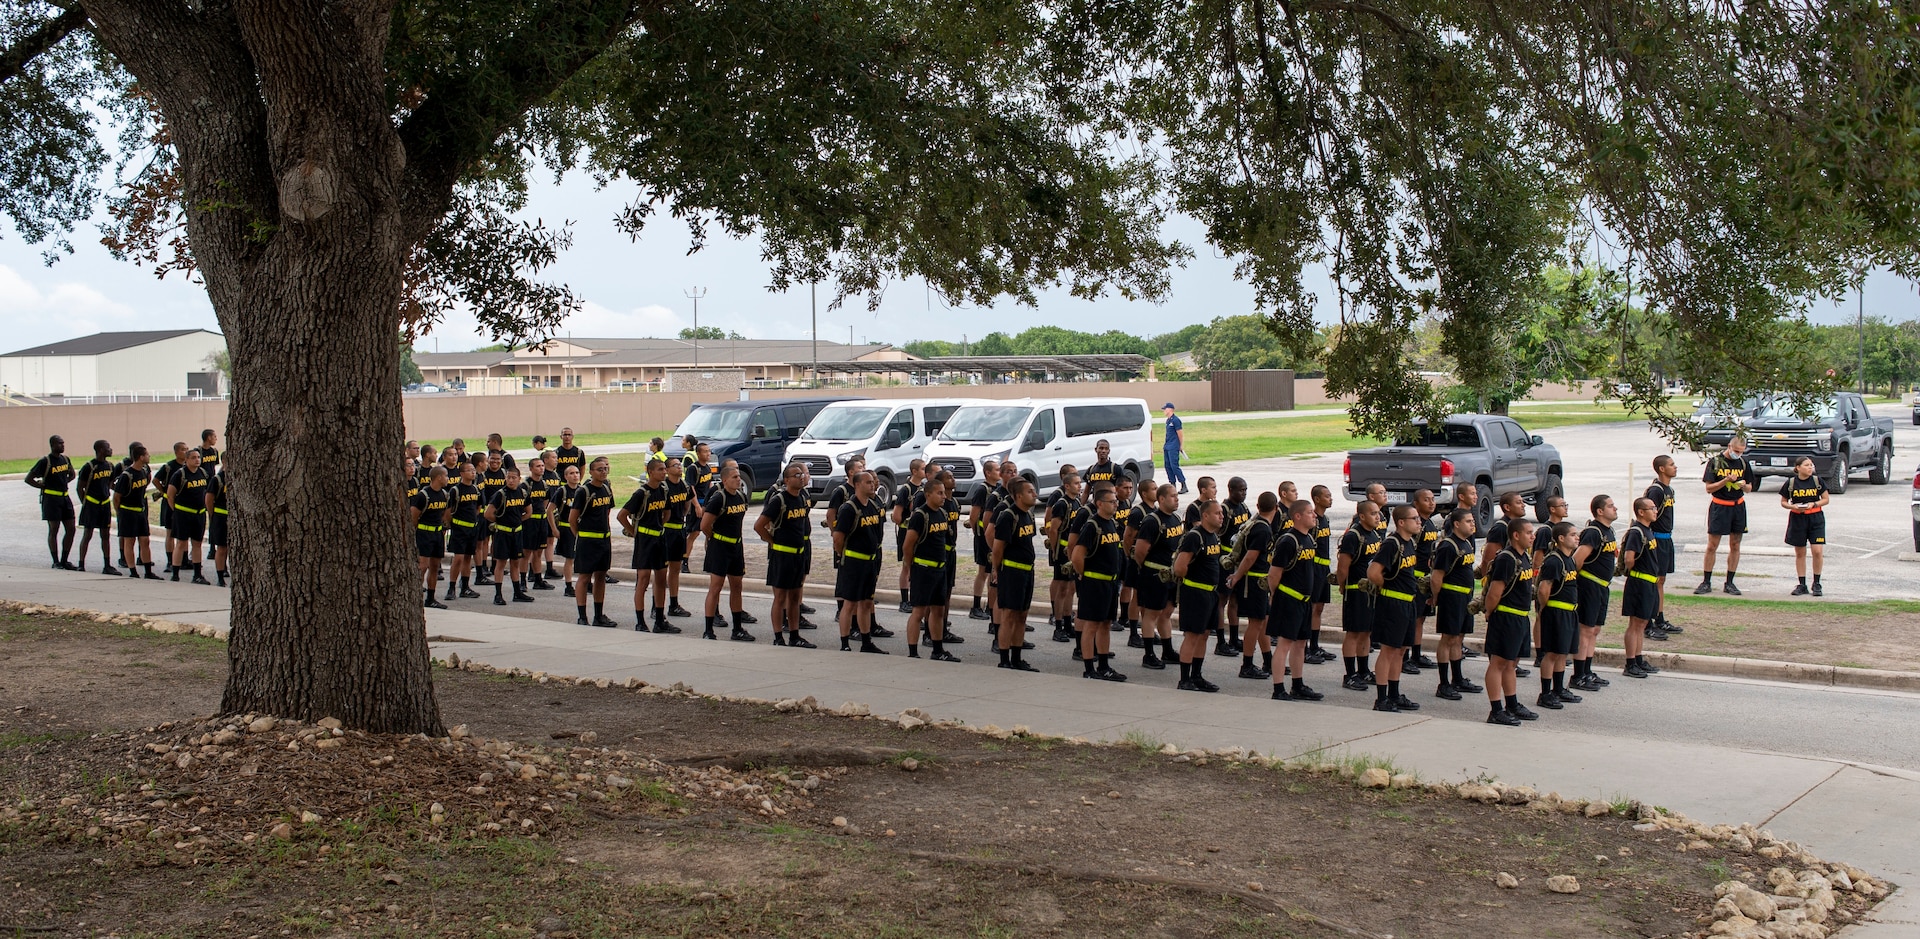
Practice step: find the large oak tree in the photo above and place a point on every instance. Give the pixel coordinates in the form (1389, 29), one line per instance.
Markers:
(337, 172)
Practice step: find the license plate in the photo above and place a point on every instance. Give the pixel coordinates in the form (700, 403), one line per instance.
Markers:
(1780, 460)
(1396, 498)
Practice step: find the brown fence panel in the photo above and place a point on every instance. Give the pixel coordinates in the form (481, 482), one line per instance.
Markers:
(1267, 389)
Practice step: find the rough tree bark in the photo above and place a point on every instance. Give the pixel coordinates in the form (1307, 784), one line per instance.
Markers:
(294, 177)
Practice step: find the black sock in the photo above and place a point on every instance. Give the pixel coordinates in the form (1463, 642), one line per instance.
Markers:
(1246, 657)
(1803, 581)
(1086, 665)
(1458, 674)
(581, 611)
(1006, 656)
(1315, 644)
(1166, 649)
(1546, 682)
(1233, 633)
(1497, 707)
(1380, 692)
(1729, 576)
(738, 616)
(1816, 578)
(464, 585)
(1015, 653)
(1186, 671)
(846, 644)
(1347, 660)
(1198, 661)
(1513, 701)
(1560, 681)
(1299, 683)
(1393, 689)
(1266, 661)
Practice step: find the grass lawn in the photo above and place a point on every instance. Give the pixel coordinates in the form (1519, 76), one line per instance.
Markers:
(1213, 442)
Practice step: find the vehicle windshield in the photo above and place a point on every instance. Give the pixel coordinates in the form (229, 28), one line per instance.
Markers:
(1713, 406)
(1784, 409)
(845, 423)
(1446, 435)
(715, 424)
(985, 424)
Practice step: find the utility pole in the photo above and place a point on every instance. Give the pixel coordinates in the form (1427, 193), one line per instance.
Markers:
(696, 293)
(813, 298)
(1860, 331)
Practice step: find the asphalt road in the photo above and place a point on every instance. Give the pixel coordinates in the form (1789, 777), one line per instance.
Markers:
(1869, 528)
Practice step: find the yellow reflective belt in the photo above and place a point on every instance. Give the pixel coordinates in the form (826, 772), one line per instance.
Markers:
(94, 500)
(182, 508)
(674, 526)
(1561, 605)
(1595, 578)
(1149, 565)
(923, 562)
(219, 511)
(1456, 588)
(428, 527)
(1260, 574)
(462, 524)
(594, 534)
(505, 529)
(649, 532)
(1317, 559)
(1649, 578)
(858, 556)
(538, 515)
(723, 538)
(1397, 595)
(1197, 585)
(783, 548)
(1353, 586)
(1016, 565)
(54, 492)
(1096, 575)
(1289, 591)
(1507, 609)
(563, 524)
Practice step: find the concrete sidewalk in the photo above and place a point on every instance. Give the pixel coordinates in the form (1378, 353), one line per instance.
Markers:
(1843, 811)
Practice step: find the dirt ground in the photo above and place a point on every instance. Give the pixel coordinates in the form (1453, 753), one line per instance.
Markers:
(127, 812)
(1819, 631)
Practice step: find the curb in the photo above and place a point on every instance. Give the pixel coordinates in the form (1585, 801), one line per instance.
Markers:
(1762, 669)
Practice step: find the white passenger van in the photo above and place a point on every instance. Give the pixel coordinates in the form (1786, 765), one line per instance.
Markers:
(890, 434)
(1041, 435)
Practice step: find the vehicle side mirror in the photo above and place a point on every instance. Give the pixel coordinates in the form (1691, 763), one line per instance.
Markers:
(1536, 440)
(759, 430)
(891, 441)
(1035, 440)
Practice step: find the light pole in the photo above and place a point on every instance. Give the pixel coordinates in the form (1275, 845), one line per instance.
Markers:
(696, 293)
(1860, 332)
(813, 298)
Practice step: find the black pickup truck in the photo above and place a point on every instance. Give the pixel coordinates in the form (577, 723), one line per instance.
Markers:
(1489, 451)
(1839, 434)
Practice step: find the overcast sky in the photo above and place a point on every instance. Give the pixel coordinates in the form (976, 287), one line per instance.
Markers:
(639, 289)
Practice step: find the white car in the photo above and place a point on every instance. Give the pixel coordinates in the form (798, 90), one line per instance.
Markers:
(1043, 434)
(889, 434)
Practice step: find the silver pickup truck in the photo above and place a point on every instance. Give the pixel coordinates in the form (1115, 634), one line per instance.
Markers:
(1489, 451)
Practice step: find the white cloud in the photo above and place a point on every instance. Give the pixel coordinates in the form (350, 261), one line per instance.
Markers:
(48, 311)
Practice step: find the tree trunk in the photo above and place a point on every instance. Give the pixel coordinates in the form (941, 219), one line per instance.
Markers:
(293, 177)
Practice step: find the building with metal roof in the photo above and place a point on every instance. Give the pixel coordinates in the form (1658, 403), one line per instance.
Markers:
(167, 364)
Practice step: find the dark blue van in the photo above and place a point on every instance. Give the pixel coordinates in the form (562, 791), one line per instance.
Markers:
(754, 434)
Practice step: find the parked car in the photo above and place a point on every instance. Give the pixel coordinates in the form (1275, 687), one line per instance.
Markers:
(890, 434)
(754, 434)
(1916, 409)
(1490, 452)
(1718, 422)
(1041, 435)
(429, 389)
(1838, 433)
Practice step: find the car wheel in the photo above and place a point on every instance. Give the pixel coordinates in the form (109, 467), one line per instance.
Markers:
(1483, 507)
(1837, 476)
(884, 480)
(1554, 487)
(746, 477)
(1883, 467)
(1916, 535)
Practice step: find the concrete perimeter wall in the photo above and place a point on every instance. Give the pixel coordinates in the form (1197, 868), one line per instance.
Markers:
(24, 430)
(1311, 392)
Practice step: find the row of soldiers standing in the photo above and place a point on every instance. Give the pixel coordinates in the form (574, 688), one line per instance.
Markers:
(190, 489)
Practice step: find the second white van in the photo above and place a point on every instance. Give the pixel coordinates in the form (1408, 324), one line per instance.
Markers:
(890, 434)
(1041, 435)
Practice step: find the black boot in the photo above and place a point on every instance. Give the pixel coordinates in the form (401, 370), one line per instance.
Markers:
(740, 633)
(708, 632)
(675, 609)
(660, 624)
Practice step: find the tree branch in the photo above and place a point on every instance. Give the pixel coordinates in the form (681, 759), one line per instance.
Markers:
(14, 59)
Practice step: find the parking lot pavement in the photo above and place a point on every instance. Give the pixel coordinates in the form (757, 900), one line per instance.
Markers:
(1869, 528)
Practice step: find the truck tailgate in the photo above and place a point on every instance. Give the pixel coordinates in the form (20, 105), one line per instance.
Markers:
(1398, 469)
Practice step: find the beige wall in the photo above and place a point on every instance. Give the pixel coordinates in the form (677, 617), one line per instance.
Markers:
(24, 430)
(1308, 392)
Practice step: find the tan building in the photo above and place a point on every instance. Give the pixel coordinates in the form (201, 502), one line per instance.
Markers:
(574, 362)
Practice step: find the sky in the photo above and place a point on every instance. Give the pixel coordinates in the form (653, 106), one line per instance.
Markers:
(640, 289)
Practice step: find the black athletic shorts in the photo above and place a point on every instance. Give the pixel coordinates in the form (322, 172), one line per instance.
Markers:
(929, 586)
(1291, 619)
(982, 549)
(133, 524)
(1356, 612)
(1663, 549)
(95, 514)
(461, 541)
(1393, 621)
(1641, 599)
(593, 555)
(724, 558)
(504, 545)
(429, 544)
(166, 516)
(1095, 600)
(533, 536)
(1508, 636)
(1727, 519)
(1594, 600)
(786, 570)
(1251, 597)
(191, 526)
(1150, 592)
(1803, 530)
(1451, 617)
(564, 540)
(55, 508)
(856, 579)
(1198, 609)
(1559, 632)
(649, 553)
(676, 539)
(217, 530)
(1016, 590)
(1323, 587)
